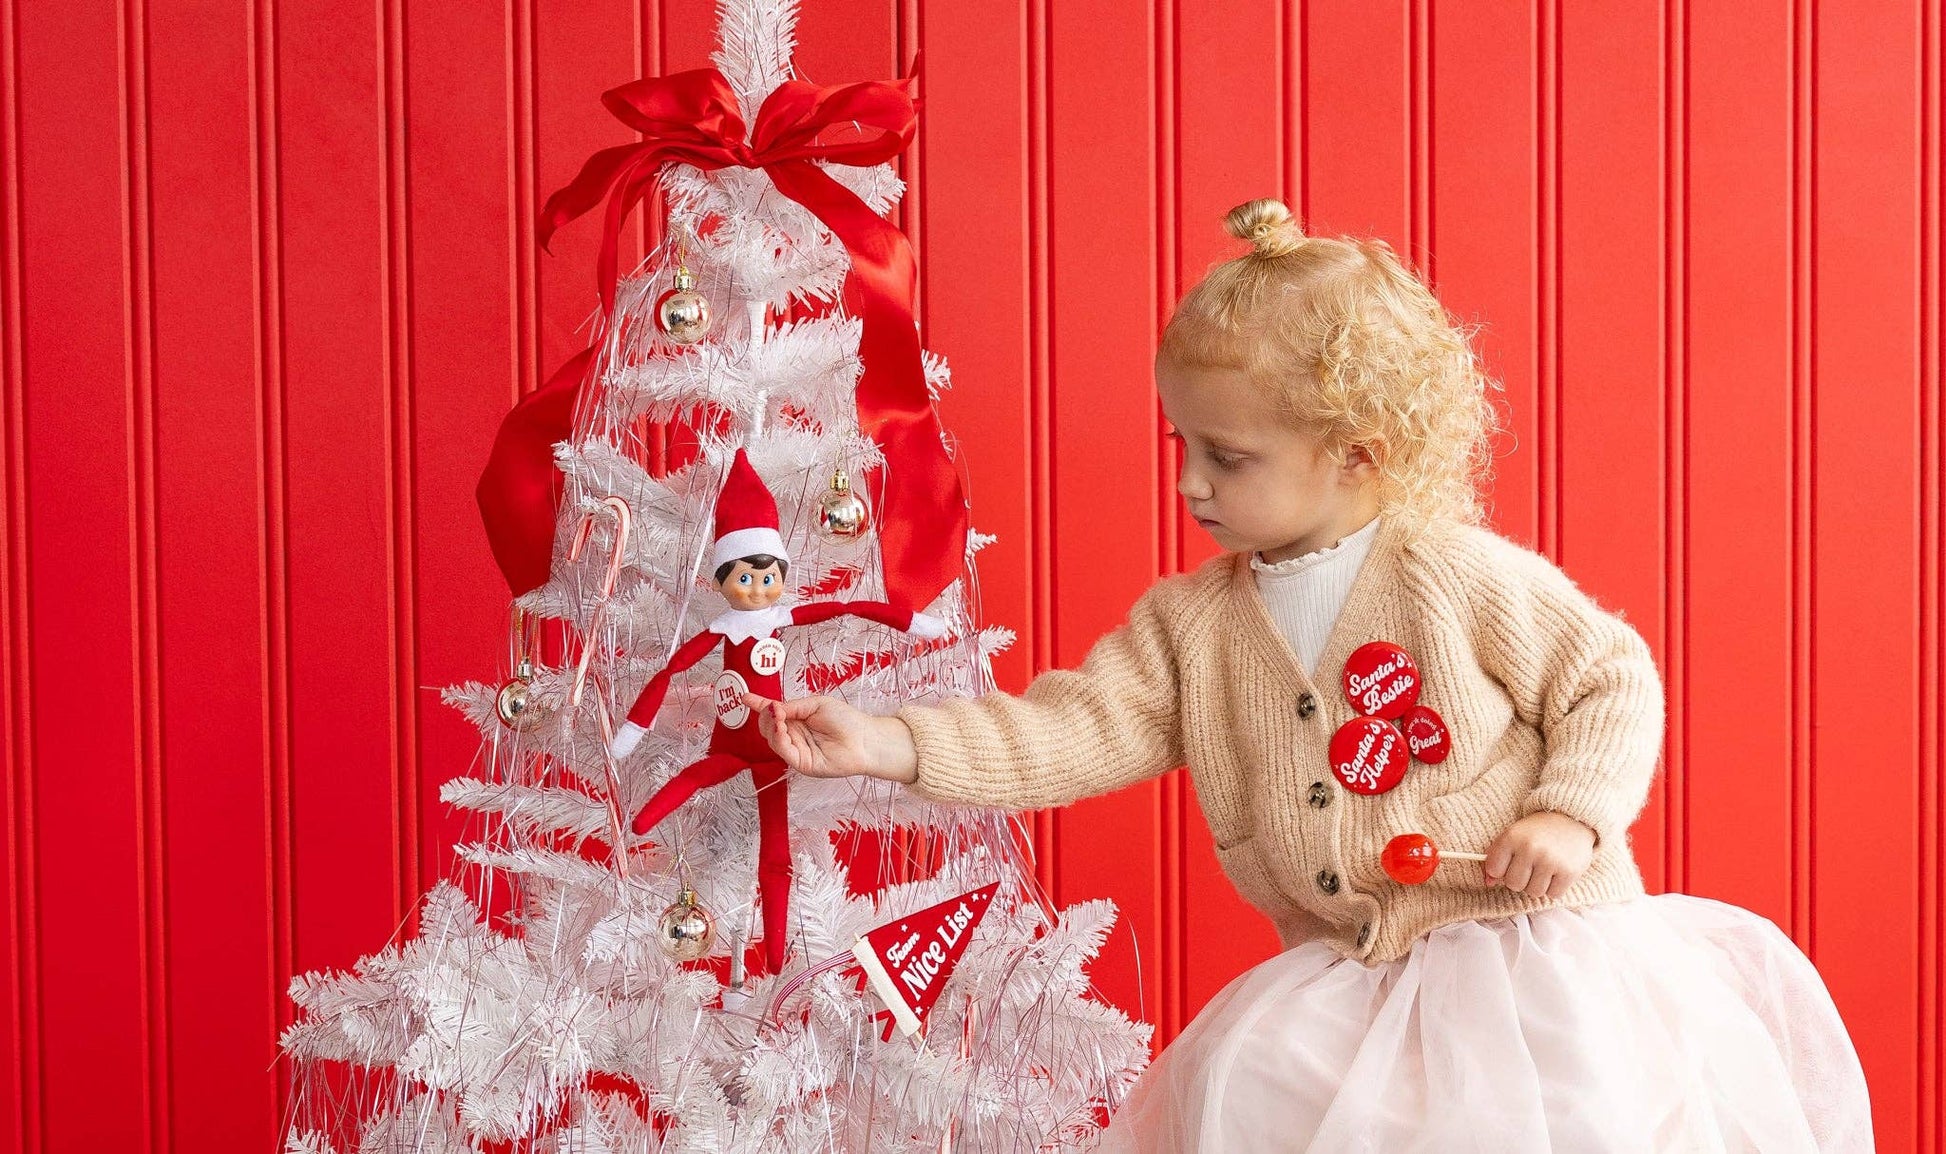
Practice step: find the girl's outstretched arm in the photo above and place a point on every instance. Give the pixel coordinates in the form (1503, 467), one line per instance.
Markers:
(824, 737)
(1074, 733)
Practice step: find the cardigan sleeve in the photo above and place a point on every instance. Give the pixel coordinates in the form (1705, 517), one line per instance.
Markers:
(1579, 674)
(1072, 734)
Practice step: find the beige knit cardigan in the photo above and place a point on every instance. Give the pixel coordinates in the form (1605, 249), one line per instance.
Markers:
(1553, 704)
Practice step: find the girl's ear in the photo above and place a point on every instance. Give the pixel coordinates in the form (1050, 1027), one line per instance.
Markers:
(1361, 461)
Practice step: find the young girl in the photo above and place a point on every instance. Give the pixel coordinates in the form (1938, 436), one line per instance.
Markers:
(1334, 426)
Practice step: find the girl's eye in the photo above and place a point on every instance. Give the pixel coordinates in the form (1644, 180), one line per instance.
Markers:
(1225, 460)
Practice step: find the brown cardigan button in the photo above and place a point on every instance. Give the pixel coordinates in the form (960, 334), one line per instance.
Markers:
(1364, 934)
(1328, 881)
(1320, 796)
(1306, 705)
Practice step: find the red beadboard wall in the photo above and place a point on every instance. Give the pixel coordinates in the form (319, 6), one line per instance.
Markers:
(269, 282)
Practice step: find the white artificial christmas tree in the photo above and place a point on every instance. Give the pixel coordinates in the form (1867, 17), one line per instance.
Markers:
(542, 1005)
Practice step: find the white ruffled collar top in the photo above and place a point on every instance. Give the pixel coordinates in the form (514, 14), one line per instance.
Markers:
(1306, 593)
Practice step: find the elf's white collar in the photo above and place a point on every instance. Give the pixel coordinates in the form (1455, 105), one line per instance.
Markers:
(740, 625)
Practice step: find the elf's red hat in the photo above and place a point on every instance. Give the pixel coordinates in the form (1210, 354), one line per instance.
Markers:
(746, 517)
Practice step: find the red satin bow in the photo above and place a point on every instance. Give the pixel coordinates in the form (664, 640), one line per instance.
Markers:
(692, 118)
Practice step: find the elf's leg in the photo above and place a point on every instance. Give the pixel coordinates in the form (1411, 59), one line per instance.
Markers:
(774, 858)
(715, 769)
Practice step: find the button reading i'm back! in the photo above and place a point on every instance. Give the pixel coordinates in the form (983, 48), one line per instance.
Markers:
(1368, 755)
(1381, 680)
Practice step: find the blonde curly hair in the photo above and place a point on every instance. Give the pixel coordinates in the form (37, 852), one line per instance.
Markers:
(1358, 351)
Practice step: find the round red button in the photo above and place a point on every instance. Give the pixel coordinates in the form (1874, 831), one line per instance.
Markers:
(1426, 734)
(1368, 755)
(1381, 679)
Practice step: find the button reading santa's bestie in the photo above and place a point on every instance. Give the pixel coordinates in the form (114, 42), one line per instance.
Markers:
(1381, 680)
(731, 710)
(1368, 755)
(767, 656)
(1426, 734)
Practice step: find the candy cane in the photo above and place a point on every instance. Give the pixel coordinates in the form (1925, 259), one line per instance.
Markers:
(784, 991)
(617, 549)
(967, 1026)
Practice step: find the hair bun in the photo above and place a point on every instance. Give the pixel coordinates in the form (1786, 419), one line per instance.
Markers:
(1268, 226)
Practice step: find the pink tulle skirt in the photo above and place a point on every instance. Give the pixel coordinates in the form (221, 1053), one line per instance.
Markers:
(1668, 1023)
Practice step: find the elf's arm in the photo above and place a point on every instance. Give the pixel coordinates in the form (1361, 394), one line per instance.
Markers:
(642, 714)
(1073, 734)
(917, 624)
(1579, 674)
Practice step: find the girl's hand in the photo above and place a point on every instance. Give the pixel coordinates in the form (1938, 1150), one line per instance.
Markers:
(1540, 855)
(824, 737)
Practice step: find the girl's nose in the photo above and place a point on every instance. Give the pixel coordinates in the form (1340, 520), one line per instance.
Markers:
(1192, 486)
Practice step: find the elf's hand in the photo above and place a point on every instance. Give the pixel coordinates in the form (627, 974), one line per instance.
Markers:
(824, 737)
(1540, 855)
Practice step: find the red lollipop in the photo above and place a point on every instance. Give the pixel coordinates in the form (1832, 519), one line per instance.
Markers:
(1411, 858)
(1381, 680)
(1426, 734)
(1367, 755)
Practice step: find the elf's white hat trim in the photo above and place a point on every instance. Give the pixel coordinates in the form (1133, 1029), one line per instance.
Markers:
(746, 516)
(745, 543)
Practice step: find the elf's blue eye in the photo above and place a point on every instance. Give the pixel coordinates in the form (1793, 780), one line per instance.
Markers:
(767, 580)
(744, 580)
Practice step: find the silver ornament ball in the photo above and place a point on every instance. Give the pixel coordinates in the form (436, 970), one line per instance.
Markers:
(687, 928)
(515, 704)
(682, 313)
(842, 513)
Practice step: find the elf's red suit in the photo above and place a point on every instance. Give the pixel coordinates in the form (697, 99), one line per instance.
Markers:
(753, 662)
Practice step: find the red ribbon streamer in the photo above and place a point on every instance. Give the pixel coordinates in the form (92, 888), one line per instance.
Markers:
(692, 118)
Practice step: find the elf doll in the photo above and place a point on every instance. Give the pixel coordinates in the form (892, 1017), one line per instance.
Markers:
(750, 564)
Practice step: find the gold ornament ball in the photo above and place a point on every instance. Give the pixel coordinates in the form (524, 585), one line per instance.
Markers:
(687, 928)
(682, 313)
(842, 513)
(515, 705)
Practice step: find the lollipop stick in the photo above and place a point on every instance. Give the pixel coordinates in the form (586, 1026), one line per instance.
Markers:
(1456, 855)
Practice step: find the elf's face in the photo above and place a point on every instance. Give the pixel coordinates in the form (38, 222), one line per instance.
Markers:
(1251, 479)
(747, 588)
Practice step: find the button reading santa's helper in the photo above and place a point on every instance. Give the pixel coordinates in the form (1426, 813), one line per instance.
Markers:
(731, 709)
(767, 656)
(1381, 680)
(1426, 734)
(1368, 755)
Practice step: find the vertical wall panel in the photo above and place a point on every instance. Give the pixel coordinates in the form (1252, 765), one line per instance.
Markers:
(346, 835)
(462, 372)
(1101, 473)
(1738, 507)
(1228, 123)
(266, 286)
(581, 50)
(20, 1008)
(1865, 522)
(87, 714)
(1357, 108)
(222, 997)
(977, 297)
(1485, 240)
(1611, 325)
